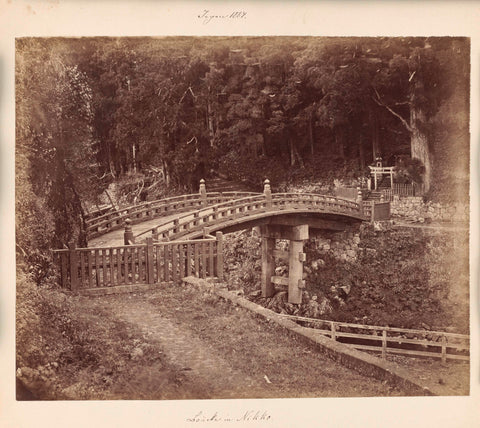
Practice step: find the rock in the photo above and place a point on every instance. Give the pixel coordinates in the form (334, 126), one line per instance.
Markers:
(351, 254)
(136, 353)
(356, 240)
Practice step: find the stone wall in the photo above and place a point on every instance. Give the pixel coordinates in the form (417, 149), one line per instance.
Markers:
(341, 245)
(415, 209)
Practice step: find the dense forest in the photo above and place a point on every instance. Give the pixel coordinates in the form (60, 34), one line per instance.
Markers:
(93, 110)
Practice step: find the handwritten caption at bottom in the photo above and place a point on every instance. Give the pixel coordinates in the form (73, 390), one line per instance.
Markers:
(249, 416)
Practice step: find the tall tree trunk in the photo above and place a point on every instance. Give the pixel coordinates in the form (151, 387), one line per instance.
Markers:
(419, 145)
(418, 139)
(361, 152)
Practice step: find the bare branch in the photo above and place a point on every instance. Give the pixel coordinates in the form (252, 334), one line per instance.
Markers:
(380, 103)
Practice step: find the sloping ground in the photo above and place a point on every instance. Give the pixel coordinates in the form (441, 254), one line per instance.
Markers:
(177, 343)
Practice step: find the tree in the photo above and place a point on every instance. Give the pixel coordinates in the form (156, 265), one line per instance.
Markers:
(409, 86)
(55, 134)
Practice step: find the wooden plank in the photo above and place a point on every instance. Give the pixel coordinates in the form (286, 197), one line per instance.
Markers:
(189, 260)
(133, 268)
(166, 262)
(268, 267)
(181, 261)
(90, 269)
(204, 259)
(211, 269)
(141, 267)
(444, 349)
(82, 268)
(126, 264)
(384, 344)
(103, 271)
(295, 270)
(112, 267)
(73, 266)
(196, 258)
(97, 268)
(174, 249)
(159, 262)
(279, 280)
(219, 245)
(120, 280)
(280, 254)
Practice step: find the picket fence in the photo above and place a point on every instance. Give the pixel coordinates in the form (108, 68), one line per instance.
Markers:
(149, 263)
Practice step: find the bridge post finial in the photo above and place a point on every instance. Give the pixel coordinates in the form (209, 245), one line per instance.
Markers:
(360, 198)
(203, 192)
(128, 234)
(267, 191)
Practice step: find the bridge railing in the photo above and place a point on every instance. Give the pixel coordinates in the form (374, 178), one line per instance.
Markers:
(149, 263)
(249, 206)
(206, 216)
(149, 210)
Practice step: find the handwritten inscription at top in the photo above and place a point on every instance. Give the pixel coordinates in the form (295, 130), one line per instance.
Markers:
(206, 16)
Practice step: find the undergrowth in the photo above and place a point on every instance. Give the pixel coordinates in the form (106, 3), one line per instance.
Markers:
(406, 279)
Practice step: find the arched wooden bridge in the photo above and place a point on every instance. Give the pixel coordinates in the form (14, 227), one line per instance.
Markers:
(181, 242)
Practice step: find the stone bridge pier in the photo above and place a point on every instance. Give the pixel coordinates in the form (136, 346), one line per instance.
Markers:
(296, 235)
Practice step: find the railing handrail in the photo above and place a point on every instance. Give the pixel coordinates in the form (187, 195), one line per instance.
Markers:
(151, 204)
(209, 208)
(277, 198)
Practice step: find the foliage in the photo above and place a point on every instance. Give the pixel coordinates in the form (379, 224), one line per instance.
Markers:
(405, 280)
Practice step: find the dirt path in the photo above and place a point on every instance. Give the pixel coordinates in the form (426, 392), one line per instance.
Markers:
(224, 352)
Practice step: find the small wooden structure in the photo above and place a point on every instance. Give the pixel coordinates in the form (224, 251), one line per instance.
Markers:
(379, 172)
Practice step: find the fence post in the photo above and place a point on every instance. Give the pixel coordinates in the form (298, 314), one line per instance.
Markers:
(73, 266)
(384, 344)
(149, 261)
(203, 193)
(333, 335)
(444, 349)
(128, 234)
(267, 191)
(219, 236)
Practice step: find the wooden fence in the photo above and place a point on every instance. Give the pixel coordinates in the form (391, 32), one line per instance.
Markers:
(376, 211)
(402, 190)
(150, 263)
(422, 343)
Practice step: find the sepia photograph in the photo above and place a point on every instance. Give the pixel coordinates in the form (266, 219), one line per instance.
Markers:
(234, 214)
(242, 217)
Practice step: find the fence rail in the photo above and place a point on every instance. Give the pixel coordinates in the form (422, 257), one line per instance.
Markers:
(393, 340)
(150, 263)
